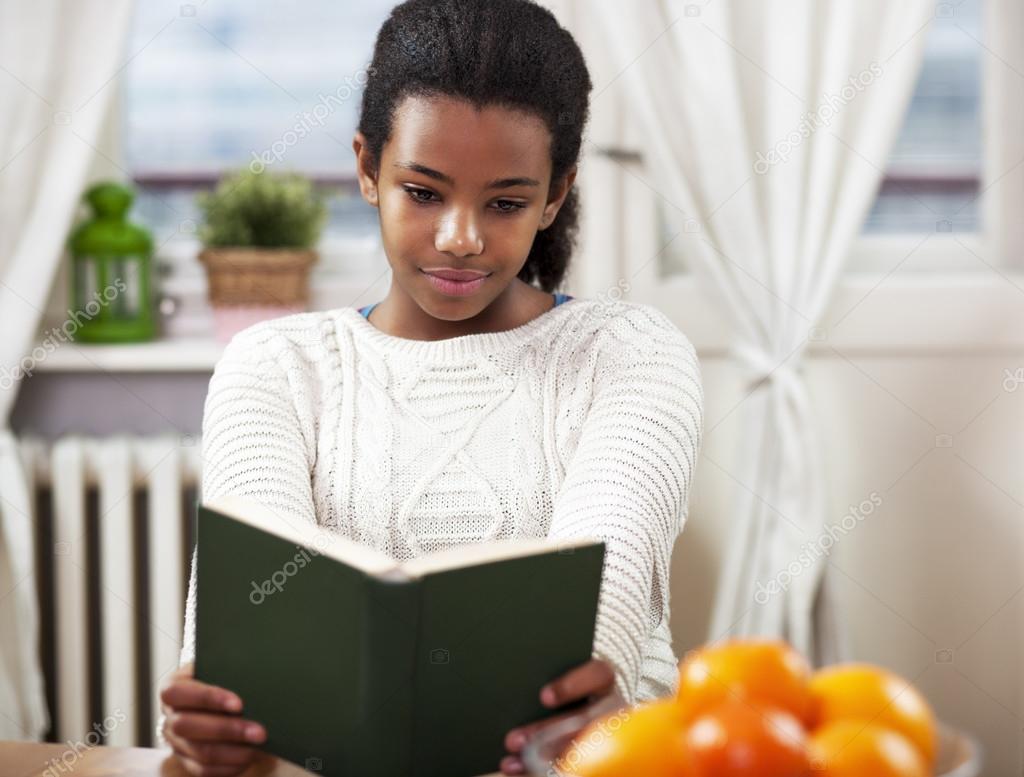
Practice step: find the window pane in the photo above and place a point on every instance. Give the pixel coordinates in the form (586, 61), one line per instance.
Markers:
(212, 87)
(933, 177)
(244, 77)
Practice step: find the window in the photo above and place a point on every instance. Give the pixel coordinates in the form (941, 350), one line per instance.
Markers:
(212, 87)
(935, 182)
(934, 173)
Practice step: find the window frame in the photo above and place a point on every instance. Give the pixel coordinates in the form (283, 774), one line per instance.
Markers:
(999, 243)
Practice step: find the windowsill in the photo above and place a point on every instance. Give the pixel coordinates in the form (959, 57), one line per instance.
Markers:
(192, 354)
(188, 344)
(934, 314)
(927, 314)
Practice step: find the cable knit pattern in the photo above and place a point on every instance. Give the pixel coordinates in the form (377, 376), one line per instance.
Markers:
(585, 421)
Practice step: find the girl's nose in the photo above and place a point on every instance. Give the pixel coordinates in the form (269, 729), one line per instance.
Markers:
(459, 234)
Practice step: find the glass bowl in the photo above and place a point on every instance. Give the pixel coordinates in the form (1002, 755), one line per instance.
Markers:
(959, 753)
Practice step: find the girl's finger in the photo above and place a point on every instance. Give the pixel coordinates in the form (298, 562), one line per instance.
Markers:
(204, 727)
(211, 760)
(199, 751)
(511, 764)
(592, 678)
(517, 737)
(194, 695)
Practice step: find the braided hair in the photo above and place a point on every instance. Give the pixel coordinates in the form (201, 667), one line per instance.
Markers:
(510, 53)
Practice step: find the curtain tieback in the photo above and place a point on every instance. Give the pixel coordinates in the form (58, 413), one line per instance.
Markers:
(760, 367)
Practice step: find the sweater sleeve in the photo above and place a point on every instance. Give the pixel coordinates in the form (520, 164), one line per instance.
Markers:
(253, 444)
(628, 483)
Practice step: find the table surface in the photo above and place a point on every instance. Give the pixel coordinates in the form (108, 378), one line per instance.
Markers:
(32, 759)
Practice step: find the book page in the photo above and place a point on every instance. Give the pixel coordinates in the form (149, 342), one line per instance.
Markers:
(315, 538)
(325, 542)
(486, 552)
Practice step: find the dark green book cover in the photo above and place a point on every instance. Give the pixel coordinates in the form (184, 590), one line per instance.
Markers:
(362, 667)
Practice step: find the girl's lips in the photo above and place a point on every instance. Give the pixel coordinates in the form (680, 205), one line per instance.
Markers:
(456, 275)
(456, 288)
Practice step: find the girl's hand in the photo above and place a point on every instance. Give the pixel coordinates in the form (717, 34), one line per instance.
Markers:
(593, 680)
(204, 728)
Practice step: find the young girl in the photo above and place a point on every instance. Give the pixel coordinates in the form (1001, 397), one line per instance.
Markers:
(470, 404)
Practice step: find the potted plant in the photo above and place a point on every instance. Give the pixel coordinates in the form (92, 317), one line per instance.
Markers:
(258, 233)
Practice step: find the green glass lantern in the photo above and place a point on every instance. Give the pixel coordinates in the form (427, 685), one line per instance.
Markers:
(111, 298)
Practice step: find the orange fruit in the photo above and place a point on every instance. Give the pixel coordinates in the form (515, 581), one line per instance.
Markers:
(737, 738)
(871, 693)
(854, 748)
(763, 670)
(648, 740)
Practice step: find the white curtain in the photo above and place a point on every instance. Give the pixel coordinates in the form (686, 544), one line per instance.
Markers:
(58, 67)
(766, 129)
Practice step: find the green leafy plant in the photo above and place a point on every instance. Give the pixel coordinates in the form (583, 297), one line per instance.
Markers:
(265, 210)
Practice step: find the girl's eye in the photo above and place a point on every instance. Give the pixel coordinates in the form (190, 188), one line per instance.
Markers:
(513, 206)
(424, 197)
(415, 194)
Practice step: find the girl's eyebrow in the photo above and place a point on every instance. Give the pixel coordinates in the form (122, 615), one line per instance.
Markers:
(501, 183)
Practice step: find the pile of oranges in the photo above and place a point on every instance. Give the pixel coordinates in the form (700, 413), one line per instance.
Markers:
(754, 707)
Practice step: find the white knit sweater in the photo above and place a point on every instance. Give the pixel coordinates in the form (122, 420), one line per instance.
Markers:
(586, 420)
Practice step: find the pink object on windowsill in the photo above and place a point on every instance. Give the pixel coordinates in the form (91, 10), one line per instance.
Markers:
(230, 320)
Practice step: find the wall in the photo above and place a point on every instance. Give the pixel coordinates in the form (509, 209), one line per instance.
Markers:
(935, 571)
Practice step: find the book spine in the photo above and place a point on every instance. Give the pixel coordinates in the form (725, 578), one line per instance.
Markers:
(385, 696)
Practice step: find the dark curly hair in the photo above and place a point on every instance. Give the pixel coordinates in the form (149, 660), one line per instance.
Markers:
(511, 53)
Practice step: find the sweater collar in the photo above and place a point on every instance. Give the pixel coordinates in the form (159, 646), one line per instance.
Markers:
(454, 348)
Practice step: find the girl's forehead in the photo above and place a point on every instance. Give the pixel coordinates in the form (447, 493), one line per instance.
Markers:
(467, 143)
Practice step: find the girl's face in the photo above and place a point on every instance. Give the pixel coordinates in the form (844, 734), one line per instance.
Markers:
(460, 189)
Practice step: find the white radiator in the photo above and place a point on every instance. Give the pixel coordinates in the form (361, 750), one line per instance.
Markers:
(128, 502)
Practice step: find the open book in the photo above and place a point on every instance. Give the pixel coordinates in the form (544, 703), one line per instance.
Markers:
(360, 665)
